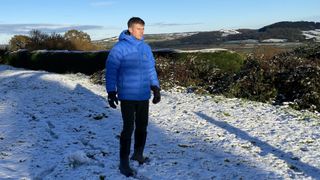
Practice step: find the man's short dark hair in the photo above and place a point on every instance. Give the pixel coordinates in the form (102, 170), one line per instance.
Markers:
(135, 20)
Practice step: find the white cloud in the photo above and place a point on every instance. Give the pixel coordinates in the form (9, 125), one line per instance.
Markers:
(12, 29)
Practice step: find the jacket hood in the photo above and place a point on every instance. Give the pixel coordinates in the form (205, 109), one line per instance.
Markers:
(125, 36)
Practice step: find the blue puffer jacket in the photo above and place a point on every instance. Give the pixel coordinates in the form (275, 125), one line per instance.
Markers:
(130, 69)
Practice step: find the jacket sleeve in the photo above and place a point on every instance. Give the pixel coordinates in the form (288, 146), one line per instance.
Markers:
(112, 70)
(152, 71)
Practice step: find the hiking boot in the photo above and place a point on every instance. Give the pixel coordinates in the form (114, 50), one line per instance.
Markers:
(141, 159)
(125, 168)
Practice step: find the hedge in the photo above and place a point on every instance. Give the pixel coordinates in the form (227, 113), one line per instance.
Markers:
(86, 62)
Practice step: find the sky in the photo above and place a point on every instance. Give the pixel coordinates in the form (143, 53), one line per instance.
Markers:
(107, 18)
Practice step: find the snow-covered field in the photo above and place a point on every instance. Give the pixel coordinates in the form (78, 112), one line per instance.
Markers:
(227, 32)
(312, 34)
(60, 127)
(274, 40)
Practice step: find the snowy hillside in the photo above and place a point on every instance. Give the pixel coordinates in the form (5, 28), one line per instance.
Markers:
(153, 37)
(60, 127)
(274, 40)
(227, 32)
(312, 34)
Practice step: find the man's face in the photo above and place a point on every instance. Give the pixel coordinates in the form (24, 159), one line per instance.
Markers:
(137, 31)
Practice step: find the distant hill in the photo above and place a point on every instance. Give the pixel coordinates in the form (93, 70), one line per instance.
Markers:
(286, 31)
(301, 25)
(150, 38)
(279, 32)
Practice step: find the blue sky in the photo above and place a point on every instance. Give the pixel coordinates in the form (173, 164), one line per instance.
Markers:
(106, 18)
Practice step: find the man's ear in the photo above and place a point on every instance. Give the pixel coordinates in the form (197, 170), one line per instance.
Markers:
(130, 30)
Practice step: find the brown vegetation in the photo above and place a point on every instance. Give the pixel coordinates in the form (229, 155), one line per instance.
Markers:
(37, 40)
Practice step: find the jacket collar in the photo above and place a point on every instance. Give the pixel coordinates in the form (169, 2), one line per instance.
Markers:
(125, 36)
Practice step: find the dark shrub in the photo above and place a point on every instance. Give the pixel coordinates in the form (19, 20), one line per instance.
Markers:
(3, 52)
(59, 61)
(253, 82)
(197, 69)
(300, 86)
(287, 77)
(20, 58)
(69, 61)
(298, 77)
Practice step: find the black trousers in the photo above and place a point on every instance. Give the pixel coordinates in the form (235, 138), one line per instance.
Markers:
(134, 114)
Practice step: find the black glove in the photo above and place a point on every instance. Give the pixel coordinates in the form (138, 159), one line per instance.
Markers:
(156, 94)
(112, 98)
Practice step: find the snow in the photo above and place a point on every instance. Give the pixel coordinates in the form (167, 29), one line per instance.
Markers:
(172, 36)
(169, 36)
(113, 39)
(247, 41)
(227, 32)
(274, 40)
(202, 50)
(312, 34)
(56, 126)
(190, 51)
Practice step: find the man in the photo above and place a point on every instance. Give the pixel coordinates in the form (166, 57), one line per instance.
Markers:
(130, 77)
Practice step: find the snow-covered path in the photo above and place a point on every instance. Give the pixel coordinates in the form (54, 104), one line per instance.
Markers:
(60, 127)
